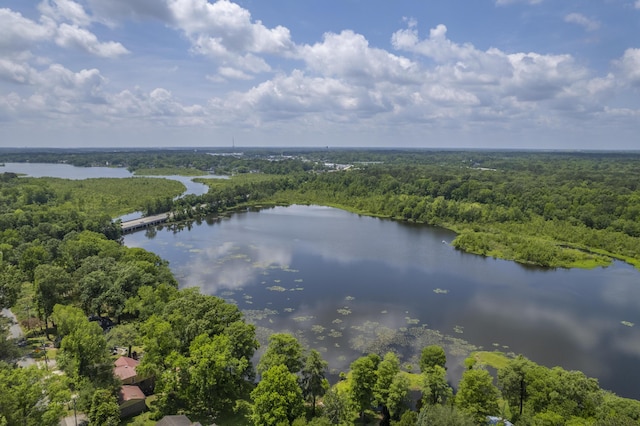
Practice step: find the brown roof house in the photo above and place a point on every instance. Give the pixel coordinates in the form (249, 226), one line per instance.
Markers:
(125, 370)
(179, 420)
(134, 387)
(131, 401)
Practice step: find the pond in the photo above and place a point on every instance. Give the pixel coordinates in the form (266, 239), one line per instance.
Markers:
(346, 284)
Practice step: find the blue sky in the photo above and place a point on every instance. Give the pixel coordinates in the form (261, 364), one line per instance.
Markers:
(545, 74)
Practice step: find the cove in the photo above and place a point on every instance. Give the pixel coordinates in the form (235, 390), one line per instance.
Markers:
(347, 284)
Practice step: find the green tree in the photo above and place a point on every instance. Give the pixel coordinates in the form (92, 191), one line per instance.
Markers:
(337, 407)
(53, 285)
(277, 399)
(435, 389)
(477, 395)
(512, 380)
(31, 397)
(398, 397)
(363, 380)
(104, 409)
(445, 415)
(83, 348)
(283, 349)
(431, 356)
(216, 377)
(313, 381)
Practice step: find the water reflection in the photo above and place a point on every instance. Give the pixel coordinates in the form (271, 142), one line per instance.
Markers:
(346, 284)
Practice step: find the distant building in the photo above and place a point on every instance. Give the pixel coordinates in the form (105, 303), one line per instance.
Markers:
(125, 370)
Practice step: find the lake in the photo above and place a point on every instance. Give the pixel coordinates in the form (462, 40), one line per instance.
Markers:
(68, 171)
(346, 284)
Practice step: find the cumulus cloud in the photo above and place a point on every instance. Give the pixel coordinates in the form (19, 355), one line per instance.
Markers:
(349, 55)
(225, 32)
(637, 5)
(20, 33)
(65, 11)
(629, 65)
(71, 36)
(583, 21)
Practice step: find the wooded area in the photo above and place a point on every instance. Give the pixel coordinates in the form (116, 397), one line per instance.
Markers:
(62, 263)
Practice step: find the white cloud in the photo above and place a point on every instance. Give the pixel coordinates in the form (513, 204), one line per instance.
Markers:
(637, 5)
(583, 21)
(629, 64)
(225, 32)
(20, 33)
(71, 36)
(15, 71)
(348, 55)
(65, 11)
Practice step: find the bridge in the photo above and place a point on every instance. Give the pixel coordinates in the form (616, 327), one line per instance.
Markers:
(144, 222)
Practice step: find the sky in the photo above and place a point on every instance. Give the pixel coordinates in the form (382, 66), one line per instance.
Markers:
(518, 74)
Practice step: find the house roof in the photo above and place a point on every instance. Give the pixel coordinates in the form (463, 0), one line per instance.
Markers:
(125, 368)
(130, 392)
(178, 420)
(125, 360)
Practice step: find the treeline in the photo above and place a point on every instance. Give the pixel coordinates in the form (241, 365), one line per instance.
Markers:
(540, 209)
(225, 162)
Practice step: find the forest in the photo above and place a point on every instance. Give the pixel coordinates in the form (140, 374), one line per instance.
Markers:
(62, 263)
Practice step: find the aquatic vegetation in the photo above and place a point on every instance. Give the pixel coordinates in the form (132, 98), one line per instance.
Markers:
(303, 318)
(344, 311)
(458, 329)
(298, 280)
(227, 293)
(335, 333)
(336, 321)
(289, 309)
(412, 321)
(254, 315)
(276, 281)
(316, 328)
(276, 288)
(349, 298)
(627, 323)
(440, 291)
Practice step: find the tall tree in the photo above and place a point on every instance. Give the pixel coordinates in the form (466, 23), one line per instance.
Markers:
(431, 356)
(83, 348)
(283, 349)
(512, 380)
(216, 377)
(313, 381)
(53, 285)
(278, 398)
(477, 395)
(444, 415)
(363, 380)
(337, 407)
(104, 409)
(435, 389)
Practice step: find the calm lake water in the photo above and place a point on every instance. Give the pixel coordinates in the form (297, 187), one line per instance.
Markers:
(346, 284)
(67, 171)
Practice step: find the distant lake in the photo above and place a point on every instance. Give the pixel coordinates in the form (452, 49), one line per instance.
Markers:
(67, 171)
(346, 284)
